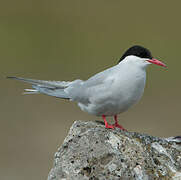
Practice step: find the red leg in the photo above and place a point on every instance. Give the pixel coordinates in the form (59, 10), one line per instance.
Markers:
(117, 125)
(106, 123)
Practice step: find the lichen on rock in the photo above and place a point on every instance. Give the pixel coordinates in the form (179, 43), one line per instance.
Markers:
(91, 152)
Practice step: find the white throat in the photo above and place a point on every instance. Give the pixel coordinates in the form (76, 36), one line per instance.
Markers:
(135, 62)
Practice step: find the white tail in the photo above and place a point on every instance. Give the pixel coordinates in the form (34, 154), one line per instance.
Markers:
(30, 91)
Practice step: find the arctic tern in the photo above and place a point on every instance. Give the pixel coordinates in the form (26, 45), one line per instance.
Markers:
(107, 93)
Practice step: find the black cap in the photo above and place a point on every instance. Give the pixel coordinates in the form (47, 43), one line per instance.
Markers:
(138, 51)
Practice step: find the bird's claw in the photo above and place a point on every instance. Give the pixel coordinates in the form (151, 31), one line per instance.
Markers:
(114, 125)
(109, 126)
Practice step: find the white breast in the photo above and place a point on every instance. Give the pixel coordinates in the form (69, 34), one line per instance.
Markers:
(123, 87)
(125, 90)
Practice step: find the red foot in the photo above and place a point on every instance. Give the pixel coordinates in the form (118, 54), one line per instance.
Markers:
(114, 125)
(109, 126)
(106, 123)
(117, 125)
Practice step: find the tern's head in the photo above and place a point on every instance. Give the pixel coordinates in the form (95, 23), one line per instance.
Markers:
(140, 55)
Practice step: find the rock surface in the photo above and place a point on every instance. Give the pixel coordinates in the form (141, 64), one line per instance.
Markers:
(91, 152)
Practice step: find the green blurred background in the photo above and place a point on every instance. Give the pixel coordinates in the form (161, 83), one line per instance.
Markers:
(68, 39)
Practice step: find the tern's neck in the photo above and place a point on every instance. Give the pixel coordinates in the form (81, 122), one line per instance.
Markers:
(133, 62)
(131, 68)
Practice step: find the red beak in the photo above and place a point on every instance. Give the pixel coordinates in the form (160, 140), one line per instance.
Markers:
(157, 62)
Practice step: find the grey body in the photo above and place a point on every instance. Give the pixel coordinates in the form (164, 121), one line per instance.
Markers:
(109, 92)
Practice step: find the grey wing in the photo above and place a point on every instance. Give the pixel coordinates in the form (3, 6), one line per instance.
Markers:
(78, 90)
(58, 84)
(93, 88)
(52, 88)
(99, 78)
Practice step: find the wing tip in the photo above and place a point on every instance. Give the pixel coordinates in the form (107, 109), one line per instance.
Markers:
(11, 77)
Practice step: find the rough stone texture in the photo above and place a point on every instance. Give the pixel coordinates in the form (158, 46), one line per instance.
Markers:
(91, 152)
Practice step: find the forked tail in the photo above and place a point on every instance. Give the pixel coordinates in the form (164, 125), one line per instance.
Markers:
(51, 88)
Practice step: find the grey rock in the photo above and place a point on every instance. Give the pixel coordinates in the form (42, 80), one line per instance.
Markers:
(91, 152)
